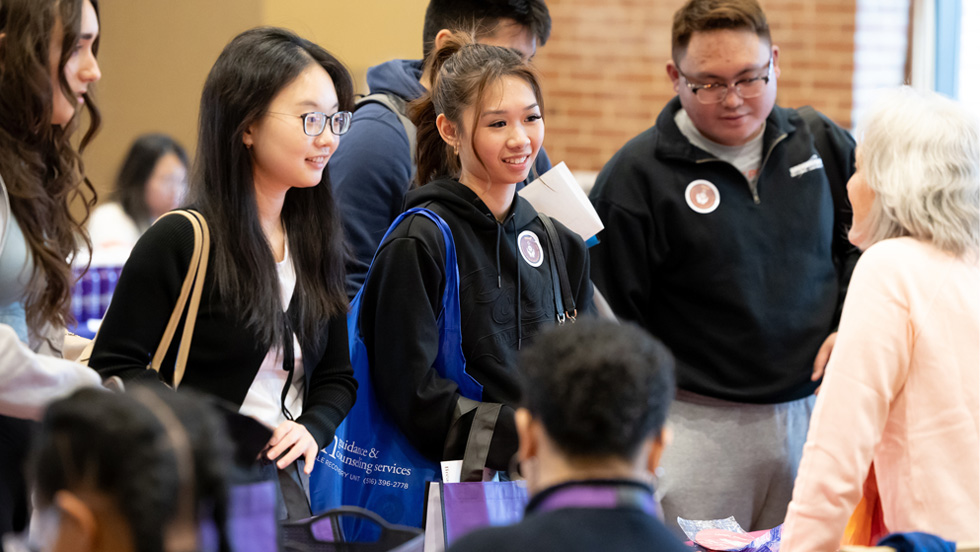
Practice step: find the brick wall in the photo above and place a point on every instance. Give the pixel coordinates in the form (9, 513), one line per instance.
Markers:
(605, 81)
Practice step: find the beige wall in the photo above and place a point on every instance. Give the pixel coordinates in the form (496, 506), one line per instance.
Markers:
(155, 56)
(605, 79)
(361, 34)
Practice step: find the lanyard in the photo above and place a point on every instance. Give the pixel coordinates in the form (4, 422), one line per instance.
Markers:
(288, 363)
(597, 494)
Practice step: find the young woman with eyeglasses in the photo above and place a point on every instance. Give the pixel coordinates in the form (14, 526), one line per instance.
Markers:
(271, 334)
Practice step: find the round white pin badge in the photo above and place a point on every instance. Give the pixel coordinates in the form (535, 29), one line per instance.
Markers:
(702, 196)
(530, 247)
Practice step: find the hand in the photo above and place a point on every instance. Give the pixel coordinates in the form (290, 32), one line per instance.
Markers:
(290, 441)
(823, 355)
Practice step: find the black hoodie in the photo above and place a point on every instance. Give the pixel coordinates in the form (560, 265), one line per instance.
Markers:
(402, 299)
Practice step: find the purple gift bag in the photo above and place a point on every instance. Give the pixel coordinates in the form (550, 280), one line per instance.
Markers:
(469, 506)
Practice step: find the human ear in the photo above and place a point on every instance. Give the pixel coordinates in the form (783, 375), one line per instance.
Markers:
(247, 137)
(527, 446)
(440, 40)
(674, 75)
(77, 527)
(658, 445)
(775, 61)
(448, 130)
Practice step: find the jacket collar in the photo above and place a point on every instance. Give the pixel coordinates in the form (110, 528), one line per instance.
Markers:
(671, 143)
(467, 205)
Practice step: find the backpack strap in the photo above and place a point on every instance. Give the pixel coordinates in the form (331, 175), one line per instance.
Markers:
(564, 299)
(837, 175)
(396, 105)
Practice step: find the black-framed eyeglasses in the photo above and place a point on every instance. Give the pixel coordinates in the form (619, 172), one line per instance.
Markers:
(315, 122)
(717, 92)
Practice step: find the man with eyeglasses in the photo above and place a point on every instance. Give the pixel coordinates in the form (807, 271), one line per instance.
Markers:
(725, 237)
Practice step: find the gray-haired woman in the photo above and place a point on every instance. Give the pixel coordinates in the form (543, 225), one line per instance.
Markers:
(902, 385)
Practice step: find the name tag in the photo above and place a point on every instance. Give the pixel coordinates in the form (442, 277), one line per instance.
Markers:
(811, 164)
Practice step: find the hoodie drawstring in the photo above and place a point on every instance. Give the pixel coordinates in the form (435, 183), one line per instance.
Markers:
(517, 300)
(500, 229)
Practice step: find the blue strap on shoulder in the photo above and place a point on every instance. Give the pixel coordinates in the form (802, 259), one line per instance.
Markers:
(450, 362)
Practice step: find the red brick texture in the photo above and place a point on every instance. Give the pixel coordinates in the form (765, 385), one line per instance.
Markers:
(605, 79)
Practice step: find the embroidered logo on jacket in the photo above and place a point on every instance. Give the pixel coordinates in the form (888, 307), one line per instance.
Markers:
(811, 164)
(702, 196)
(530, 248)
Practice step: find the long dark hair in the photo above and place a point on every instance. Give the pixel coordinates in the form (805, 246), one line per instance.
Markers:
(248, 74)
(161, 457)
(43, 173)
(136, 170)
(460, 73)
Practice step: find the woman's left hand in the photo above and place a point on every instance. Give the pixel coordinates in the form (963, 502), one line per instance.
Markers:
(290, 441)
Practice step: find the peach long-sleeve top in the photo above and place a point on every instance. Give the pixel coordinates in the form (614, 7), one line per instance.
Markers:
(901, 389)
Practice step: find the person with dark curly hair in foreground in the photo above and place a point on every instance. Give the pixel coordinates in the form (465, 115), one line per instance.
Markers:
(591, 433)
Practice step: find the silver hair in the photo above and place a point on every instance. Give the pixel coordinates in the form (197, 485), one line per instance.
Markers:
(920, 155)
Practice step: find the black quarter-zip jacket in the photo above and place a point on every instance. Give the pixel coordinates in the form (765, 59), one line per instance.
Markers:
(743, 295)
(504, 303)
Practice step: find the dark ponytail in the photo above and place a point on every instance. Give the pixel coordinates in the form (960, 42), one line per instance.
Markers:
(459, 74)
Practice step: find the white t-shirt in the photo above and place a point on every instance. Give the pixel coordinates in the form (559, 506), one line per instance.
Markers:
(113, 234)
(747, 158)
(264, 398)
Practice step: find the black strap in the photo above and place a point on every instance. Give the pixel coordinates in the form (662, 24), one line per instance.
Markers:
(566, 306)
(288, 363)
(837, 175)
(478, 442)
(556, 290)
(480, 435)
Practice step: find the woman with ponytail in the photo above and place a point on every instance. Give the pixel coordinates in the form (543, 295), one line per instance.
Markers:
(47, 63)
(479, 130)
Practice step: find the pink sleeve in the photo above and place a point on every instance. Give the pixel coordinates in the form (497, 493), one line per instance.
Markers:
(867, 368)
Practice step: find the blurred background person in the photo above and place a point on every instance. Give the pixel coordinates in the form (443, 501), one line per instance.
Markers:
(151, 181)
(902, 384)
(591, 429)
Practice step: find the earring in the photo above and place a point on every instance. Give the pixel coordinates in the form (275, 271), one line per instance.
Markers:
(456, 150)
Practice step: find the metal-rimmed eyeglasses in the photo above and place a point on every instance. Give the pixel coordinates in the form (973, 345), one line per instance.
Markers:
(315, 122)
(746, 89)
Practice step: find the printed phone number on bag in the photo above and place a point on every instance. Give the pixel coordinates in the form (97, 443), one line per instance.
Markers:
(385, 483)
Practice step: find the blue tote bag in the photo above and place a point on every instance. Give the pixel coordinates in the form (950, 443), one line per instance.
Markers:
(370, 463)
